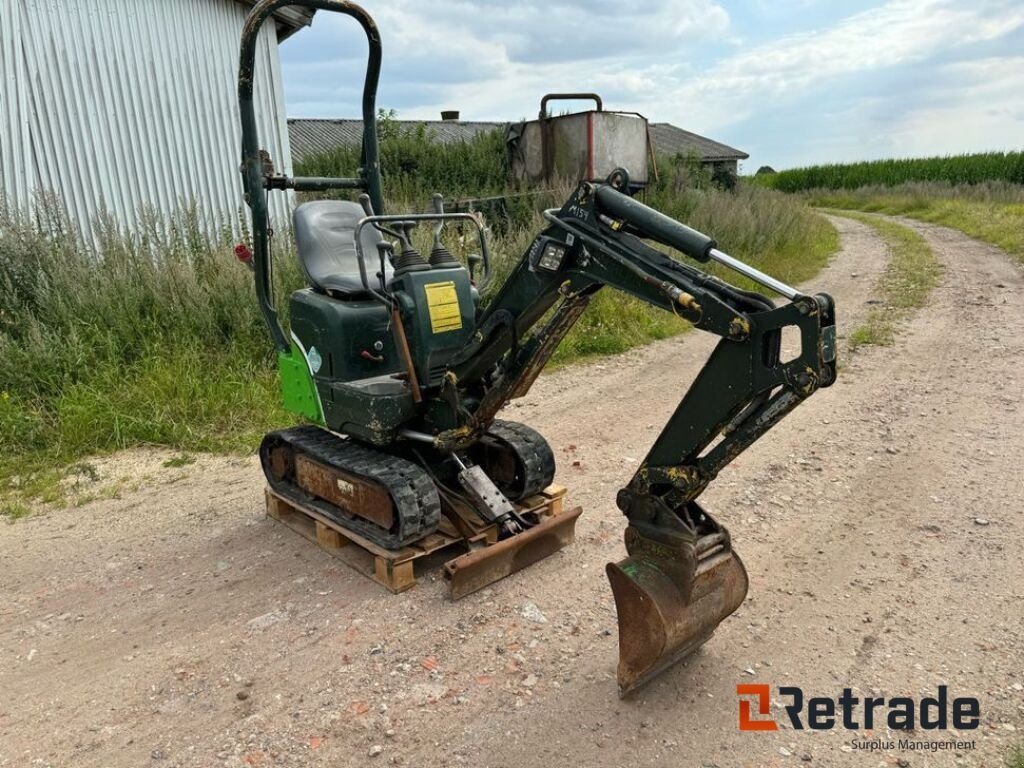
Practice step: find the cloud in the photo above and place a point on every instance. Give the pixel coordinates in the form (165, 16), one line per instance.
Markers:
(899, 33)
(564, 30)
(476, 52)
(901, 77)
(989, 114)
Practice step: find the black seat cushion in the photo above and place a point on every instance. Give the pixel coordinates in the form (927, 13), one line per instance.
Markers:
(325, 233)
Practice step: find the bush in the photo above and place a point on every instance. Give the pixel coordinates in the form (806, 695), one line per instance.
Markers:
(415, 165)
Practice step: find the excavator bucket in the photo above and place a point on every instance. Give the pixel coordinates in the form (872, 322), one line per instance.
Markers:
(668, 607)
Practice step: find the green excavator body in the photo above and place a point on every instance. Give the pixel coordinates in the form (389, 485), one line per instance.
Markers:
(403, 370)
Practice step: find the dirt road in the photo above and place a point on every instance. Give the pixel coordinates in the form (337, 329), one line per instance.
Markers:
(881, 525)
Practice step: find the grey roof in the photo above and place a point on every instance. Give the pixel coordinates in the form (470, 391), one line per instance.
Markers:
(670, 140)
(312, 136)
(289, 19)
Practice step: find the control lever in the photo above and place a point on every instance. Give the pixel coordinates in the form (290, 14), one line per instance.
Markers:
(403, 231)
(438, 201)
(386, 253)
(410, 259)
(475, 260)
(364, 200)
(440, 257)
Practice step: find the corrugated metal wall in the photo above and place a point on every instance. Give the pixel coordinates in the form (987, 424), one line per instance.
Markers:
(132, 104)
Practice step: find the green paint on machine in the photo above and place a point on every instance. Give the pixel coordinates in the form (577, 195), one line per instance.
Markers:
(297, 388)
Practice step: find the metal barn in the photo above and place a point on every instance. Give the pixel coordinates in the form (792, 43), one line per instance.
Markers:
(126, 105)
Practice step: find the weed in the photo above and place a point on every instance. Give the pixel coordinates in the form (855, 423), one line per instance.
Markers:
(105, 493)
(183, 460)
(13, 510)
(84, 469)
(909, 277)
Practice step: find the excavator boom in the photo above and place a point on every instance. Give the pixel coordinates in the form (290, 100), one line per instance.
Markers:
(681, 577)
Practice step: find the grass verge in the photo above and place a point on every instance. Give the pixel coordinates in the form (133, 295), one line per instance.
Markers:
(909, 277)
(1015, 759)
(993, 213)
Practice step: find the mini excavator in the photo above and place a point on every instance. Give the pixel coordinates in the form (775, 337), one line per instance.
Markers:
(400, 370)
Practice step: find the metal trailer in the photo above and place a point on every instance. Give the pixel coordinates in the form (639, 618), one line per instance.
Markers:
(583, 146)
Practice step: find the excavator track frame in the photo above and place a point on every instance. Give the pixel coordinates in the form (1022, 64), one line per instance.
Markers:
(416, 506)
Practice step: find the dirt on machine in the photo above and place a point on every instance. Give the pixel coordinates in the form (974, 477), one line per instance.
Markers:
(397, 362)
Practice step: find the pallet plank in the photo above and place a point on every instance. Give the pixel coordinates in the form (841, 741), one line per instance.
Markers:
(393, 569)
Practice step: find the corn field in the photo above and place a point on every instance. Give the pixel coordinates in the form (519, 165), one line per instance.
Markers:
(952, 169)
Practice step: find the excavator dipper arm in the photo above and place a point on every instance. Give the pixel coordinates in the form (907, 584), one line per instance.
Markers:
(681, 577)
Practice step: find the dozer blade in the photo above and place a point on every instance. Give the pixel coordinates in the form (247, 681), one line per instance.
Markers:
(476, 569)
(668, 608)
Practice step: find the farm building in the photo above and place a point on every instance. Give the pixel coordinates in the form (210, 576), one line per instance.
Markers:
(120, 105)
(309, 137)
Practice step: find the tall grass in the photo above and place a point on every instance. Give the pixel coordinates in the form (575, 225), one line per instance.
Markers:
(950, 169)
(415, 165)
(154, 336)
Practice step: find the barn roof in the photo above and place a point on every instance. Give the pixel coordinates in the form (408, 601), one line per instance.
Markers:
(310, 137)
(670, 140)
(289, 20)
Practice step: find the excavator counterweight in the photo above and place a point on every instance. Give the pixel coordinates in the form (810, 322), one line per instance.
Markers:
(401, 371)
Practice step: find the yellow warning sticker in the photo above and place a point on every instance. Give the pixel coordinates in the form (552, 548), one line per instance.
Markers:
(443, 306)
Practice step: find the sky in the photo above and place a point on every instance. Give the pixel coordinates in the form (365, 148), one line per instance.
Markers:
(791, 82)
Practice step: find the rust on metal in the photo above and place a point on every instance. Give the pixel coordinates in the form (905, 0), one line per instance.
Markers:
(403, 347)
(347, 492)
(669, 608)
(487, 565)
(281, 462)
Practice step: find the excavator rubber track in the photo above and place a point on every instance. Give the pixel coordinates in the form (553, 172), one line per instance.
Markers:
(363, 472)
(517, 458)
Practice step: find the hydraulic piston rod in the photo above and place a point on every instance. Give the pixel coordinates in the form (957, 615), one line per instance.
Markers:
(754, 274)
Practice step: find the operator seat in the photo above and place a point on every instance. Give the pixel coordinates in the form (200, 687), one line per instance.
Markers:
(325, 235)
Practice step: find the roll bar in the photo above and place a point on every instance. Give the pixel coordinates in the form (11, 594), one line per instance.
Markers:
(257, 178)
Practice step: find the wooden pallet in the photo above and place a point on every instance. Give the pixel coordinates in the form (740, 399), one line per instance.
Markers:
(395, 569)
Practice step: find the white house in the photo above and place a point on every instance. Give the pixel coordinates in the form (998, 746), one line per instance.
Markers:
(122, 105)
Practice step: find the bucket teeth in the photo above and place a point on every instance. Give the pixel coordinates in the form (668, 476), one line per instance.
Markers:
(667, 608)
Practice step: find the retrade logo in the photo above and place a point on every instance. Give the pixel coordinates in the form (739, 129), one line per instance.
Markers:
(822, 713)
(763, 696)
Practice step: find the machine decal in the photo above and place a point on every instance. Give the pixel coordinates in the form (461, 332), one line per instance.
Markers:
(443, 307)
(315, 360)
